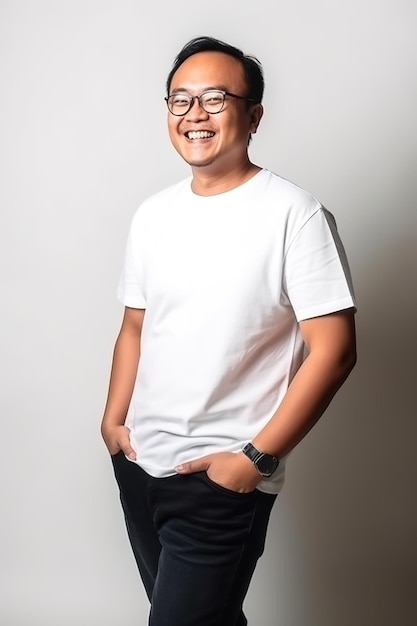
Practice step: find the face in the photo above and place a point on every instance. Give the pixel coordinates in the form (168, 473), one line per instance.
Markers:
(215, 141)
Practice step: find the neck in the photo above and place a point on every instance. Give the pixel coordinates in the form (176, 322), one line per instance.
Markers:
(208, 183)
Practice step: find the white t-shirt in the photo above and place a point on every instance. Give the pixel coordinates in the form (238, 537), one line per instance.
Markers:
(224, 279)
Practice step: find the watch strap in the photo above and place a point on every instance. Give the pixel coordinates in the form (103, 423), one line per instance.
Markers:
(252, 453)
(260, 459)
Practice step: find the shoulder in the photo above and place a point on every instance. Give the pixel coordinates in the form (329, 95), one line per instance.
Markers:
(152, 207)
(290, 204)
(285, 194)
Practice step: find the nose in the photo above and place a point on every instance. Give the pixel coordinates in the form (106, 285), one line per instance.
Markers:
(196, 111)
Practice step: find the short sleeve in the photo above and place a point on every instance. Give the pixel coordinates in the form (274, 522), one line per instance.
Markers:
(130, 290)
(317, 277)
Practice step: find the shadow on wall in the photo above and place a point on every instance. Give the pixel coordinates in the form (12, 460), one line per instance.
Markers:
(351, 484)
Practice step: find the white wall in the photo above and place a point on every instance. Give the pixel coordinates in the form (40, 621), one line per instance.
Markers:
(83, 142)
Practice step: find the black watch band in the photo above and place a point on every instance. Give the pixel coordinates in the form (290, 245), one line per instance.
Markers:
(266, 464)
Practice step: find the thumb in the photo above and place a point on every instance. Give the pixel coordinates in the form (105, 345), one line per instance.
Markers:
(126, 447)
(129, 452)
(198, 465)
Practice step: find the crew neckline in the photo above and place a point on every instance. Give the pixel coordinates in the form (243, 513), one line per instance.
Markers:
(222, 194)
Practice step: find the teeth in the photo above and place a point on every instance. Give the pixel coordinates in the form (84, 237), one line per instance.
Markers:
(199, 134)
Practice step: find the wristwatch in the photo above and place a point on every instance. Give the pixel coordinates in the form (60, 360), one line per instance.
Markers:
(266, 464)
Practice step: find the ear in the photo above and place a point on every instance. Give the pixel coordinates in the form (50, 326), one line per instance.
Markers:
(255, 117)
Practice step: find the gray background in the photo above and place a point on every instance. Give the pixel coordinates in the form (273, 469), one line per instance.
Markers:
(83, 142)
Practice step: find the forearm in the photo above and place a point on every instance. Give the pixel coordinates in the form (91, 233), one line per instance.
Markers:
(124, 369)
(308, 396)
(122, 379)
(323, 372)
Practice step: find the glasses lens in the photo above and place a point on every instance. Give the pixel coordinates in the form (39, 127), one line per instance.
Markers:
(179, 103)
(212, 101)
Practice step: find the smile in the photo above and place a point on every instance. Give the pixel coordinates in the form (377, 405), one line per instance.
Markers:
(199, 134)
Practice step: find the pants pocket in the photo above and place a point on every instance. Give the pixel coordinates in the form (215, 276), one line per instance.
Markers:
(225, 490)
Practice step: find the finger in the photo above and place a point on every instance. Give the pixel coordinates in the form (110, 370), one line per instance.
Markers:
(130, 453)
(127, 448)
(198, 465)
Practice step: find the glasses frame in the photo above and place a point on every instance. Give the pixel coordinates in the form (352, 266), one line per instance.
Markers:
(192, 98)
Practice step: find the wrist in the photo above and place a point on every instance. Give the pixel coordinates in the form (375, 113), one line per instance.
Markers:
(247, 472)
(108, 428)
(264, 463)
(112, 421)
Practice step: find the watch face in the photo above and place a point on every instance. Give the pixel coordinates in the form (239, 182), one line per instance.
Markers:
(267, 465)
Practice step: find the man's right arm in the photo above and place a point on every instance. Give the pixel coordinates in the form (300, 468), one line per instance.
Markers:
(123, 375)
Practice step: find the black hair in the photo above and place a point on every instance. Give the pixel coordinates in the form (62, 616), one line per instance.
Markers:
(251, 66)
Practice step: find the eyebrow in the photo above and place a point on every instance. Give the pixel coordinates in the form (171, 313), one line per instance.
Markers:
(210, 88)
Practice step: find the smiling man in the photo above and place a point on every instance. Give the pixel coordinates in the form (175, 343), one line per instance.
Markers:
(213, 136)
(238, 330)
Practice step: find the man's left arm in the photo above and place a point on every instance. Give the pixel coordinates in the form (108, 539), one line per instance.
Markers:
(331, 355)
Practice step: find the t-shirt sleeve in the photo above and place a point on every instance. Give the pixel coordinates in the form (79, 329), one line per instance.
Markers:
(130, 289)
(317, 277)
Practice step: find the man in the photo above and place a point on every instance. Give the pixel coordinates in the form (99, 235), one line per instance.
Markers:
(230, 277)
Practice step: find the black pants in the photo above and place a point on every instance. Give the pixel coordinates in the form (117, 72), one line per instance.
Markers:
(196, 544)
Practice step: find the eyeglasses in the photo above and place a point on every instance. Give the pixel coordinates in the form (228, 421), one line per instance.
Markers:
(211, 101)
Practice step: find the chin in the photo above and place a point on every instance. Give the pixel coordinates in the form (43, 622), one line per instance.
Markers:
(199, 163)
